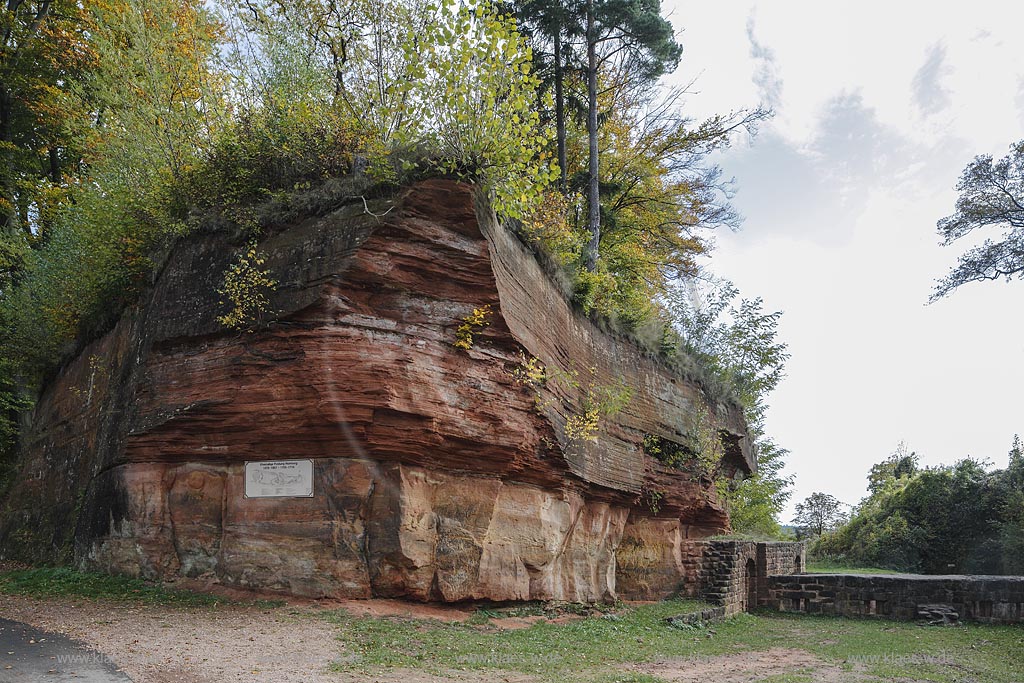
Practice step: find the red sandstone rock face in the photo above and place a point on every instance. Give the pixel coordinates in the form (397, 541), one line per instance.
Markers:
(437, 474)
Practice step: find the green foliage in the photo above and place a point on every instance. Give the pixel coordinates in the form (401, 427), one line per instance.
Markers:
(54, 582)
(818, 513)
(551, 225)
(609, 648)
(274, 150)
(444, 86)
(991, 195)
(161, 105)
(472, 324)
(246, 286)
(738, 347)
(667, 452)
(44, 123)
(145, 78)
(895, 471)
(755, 502)
(599, 400)
(469, 96)
(937, 520)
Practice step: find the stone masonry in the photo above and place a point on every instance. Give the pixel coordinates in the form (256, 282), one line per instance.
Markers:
(732, 573)
(991, 599)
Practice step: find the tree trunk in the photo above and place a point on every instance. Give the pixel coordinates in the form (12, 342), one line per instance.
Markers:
(560, 113)
(6, 173)
(54, 165)
(593, 195)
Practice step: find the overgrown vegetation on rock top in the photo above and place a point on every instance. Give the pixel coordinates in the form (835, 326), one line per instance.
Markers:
(152, 120)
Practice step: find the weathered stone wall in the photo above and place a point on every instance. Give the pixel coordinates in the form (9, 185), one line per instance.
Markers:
(992, 599)
(732, 573)
(437, 475)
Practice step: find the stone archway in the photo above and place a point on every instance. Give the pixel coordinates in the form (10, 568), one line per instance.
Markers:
(750, 594)
(797, 565)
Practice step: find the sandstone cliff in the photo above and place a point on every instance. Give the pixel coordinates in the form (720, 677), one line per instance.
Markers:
(438, 473)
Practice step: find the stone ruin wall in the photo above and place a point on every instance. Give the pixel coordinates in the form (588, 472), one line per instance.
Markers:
(989, 599)
(733, 573)
(742, 575)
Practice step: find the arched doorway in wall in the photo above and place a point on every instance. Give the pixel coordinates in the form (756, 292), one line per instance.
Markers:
(751, 588)
(797, 565)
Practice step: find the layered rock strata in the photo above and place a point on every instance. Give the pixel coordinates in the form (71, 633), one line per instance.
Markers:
(439, 473)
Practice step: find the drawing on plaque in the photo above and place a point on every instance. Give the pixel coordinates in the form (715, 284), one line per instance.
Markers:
(279, 479)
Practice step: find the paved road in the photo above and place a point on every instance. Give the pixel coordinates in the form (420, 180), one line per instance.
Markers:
(28, 654)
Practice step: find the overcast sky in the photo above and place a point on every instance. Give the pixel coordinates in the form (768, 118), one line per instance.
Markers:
(878, 107)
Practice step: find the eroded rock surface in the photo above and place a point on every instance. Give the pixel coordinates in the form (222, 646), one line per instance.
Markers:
(439, 474)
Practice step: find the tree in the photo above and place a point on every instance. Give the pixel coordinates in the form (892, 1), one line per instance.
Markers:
(634, 35)
(958, 518)
(470, 99)
(991, 194)
(818, 513)
(756, 501)
(739, 348)
(44, 53)
(658, 192)
(99, 103)
(900, 466)
(548, 27)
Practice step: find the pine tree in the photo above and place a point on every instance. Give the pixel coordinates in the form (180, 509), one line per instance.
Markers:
(551, 31)
(633, 35)
(592, 38)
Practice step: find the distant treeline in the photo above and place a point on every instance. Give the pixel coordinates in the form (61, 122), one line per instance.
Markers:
(936, 520)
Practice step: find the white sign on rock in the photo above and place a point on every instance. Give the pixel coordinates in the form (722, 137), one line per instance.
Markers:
(279, 479)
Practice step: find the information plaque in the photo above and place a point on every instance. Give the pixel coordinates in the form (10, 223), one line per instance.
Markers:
(279, 479)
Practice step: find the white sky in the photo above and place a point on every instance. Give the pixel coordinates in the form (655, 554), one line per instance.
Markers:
(878, 107)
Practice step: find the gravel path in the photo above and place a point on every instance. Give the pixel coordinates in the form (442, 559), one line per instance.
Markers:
(29, 654)
(193, 645)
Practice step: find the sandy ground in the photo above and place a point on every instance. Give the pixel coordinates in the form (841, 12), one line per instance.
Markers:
(745, 667)
(289, 644)
(161, 645)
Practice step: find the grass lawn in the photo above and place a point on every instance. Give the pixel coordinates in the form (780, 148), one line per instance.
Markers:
(629, 644)
(598, 648)
(59, 582)
(828, 567)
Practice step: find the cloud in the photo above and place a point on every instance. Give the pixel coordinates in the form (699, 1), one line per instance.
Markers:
(766, 72)
(1019, 100)
(930, 96)
(817, 190)
(853, 149)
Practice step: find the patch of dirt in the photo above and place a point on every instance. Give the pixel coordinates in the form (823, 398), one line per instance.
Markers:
(155, 644)
(193, 645)
(415, 676)
(379, 607)
(744, 667)
(514, 623)
(11, 565)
